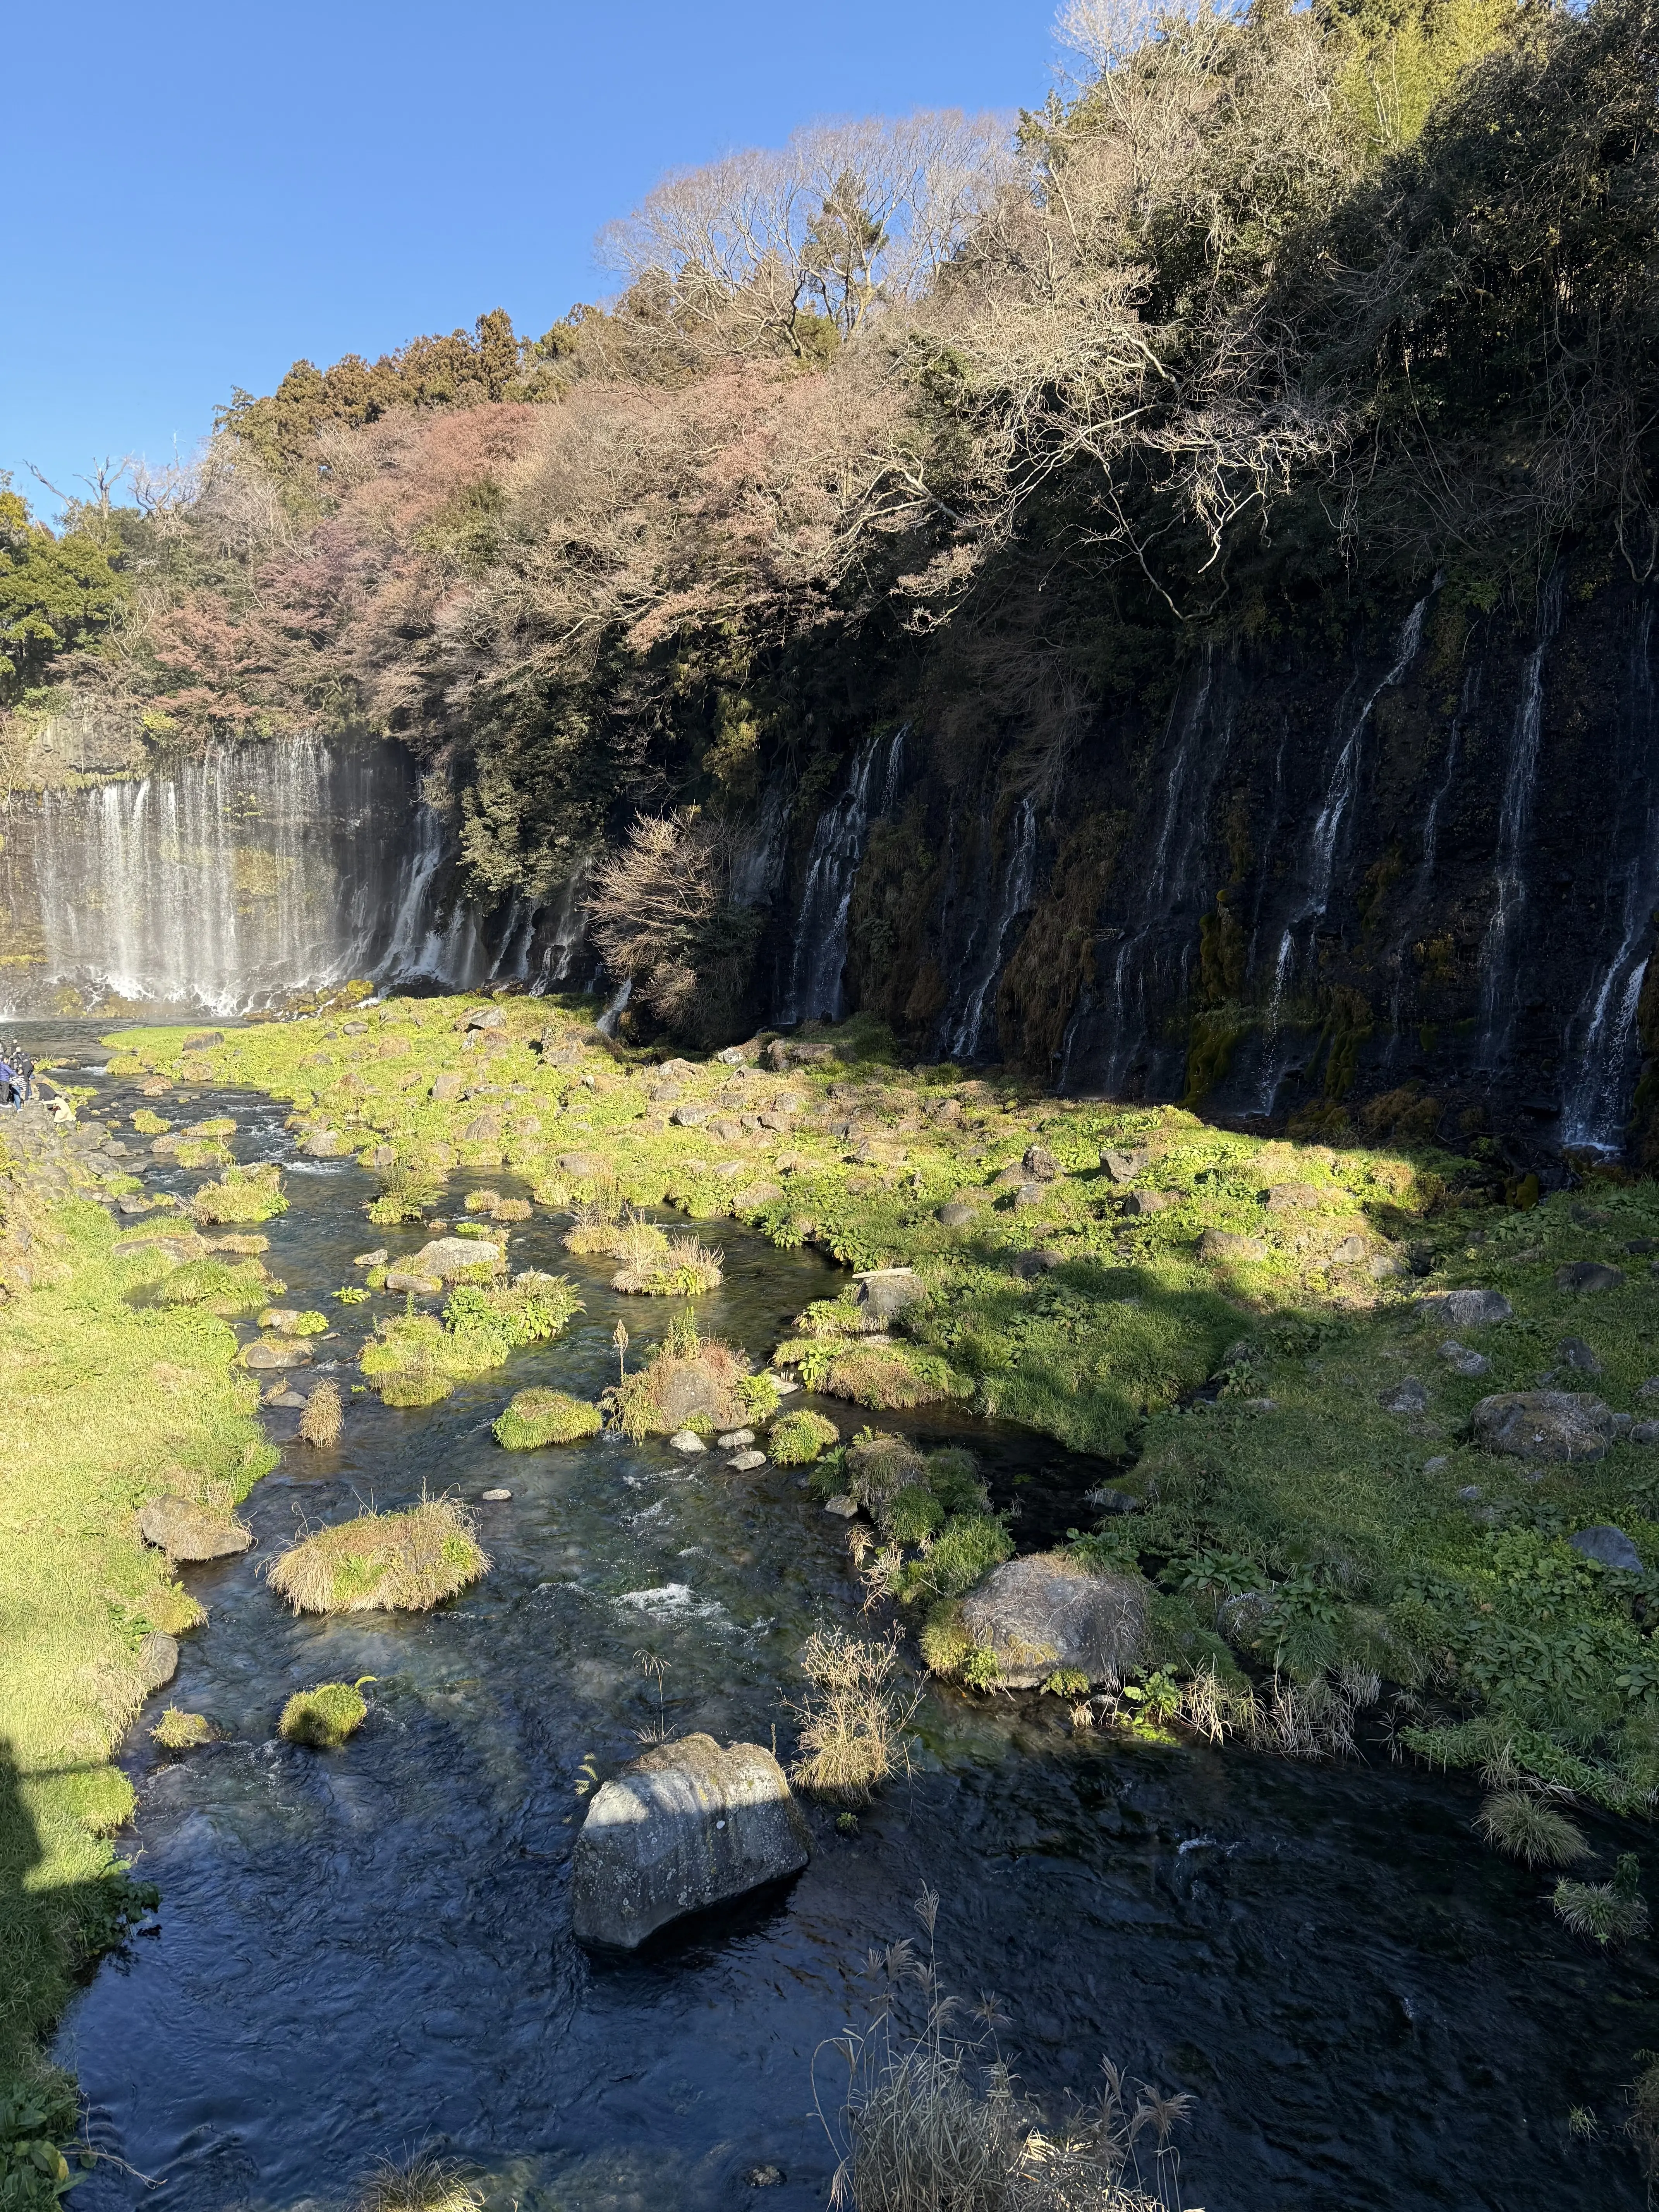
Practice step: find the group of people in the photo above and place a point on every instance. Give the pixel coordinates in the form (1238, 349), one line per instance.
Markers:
(16, 1076)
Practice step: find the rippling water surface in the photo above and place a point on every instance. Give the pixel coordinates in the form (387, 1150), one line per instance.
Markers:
(368, 1951)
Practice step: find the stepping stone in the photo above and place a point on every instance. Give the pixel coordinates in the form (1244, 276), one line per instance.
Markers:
(744, 1462)
(686, 1440)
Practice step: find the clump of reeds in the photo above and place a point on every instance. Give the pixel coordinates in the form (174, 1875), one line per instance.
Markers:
(538, 1416)
(598, 1224)
(181, 1731)
(324, 1717)
(931, 2122)
(1608, 1912)
(1518, 1823)
(404, 1562)
(422, 2184)
(655, 1265)
(853, 1718)
(324, 1417)
(797, 1439)
(405, 1193)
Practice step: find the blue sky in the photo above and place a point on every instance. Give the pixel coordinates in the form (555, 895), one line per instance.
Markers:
(207, 192)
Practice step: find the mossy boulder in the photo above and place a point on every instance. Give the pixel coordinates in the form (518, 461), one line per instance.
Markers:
(324, 1717)
(1048, 1612)
(797, 1439)
(535, 1418)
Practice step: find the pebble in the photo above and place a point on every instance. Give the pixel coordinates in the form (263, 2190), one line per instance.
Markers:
(687, 1440)
(495, 1497)
(841, 1505)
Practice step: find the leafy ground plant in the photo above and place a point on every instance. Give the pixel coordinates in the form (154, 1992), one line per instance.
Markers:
(1608, 1912)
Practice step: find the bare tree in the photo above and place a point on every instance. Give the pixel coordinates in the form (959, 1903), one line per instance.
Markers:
(852, 214)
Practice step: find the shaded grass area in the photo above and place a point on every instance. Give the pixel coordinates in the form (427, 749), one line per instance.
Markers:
(104, 1404)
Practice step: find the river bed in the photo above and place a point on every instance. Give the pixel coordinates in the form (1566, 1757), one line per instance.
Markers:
(368, 1952)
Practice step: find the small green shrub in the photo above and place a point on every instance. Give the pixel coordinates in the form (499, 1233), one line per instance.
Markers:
(352, 1295)
(912, 1514)
(1067, 1682)
(252, 1194)
(797, 1439)
(535, 1418)
(953, 1477)
(964, 1552)
(946, 1646)
(1608, 1912)
(759, 1394)
(222, 1290)
(324, 1717)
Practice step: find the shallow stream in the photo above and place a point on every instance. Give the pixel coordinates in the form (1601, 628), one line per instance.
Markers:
(367, 1951)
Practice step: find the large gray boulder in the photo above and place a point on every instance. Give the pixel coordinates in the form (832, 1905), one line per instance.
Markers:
(884, 1293)
(686, 1826)
(1609, 1547)
(185, 1530)
(453, 1256)
(1544, 1425)
(1047, 1612)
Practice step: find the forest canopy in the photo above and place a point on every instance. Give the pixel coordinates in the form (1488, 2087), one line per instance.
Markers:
(1266, 315)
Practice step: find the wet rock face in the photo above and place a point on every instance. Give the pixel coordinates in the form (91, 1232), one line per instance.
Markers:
(687, 1826)
(1046, 1612)
(1554, 1425)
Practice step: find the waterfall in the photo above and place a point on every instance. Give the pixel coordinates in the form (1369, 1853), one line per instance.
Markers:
(1469, 705)
(1341, 789)
(819, 958)
(606, 1025)
(567, 935)
(225, 883)
(1497, 959)
(964, 1036)
(1601, 1039)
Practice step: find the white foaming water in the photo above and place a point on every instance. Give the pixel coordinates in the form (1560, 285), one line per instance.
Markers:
(966, 1035)
(819, 959)
(226, 882)
(1497, 957)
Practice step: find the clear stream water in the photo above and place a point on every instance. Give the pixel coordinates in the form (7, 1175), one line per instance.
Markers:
(368, 1952)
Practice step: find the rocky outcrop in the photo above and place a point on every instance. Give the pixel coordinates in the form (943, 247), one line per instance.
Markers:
(1561, 1425)
(685, 1827)
(447, 1256)
(1047, 1612)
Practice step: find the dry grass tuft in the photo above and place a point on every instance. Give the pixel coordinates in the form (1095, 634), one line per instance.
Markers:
(1517, 1823)
(406, 1562)
(324, 1417)
(853, 1717)
(677, 1267)
(937, 2123)
(425, 2183)
(691, 1382)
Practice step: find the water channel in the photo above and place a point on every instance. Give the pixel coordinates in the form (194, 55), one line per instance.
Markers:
(368, 1952)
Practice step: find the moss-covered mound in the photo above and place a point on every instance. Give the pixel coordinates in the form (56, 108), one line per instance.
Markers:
(222, 1290)
(324, 1717)
(406, 1562)
(797, 1439)
(417, 1359)
(254, 1194)
(535, 1418)
(180, 1731)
